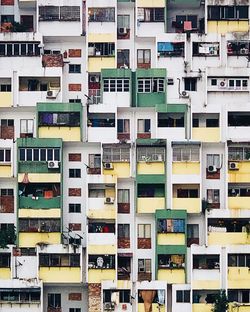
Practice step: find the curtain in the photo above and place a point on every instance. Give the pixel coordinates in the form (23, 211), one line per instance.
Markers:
(148, 297)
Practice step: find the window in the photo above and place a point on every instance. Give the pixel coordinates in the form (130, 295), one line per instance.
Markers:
(4, 87)
(170, 49)
(144, 265)
(4, 260)
(116, 85)
(206, 49)
(116, 154)
(238, 47)
(94, 160)
(123, 196)
(123, 231)
(124, 296)
(192, 234)
(150, 85)
(186, 153)
(239, 260)
(151, 154)
(123, 58)
(181, 19)
(144, 231)
(182, 295)
(213, 160)
(123, 21)
(101, 14)
(143, 125)
(74, 68)
(59, 260)
(238, 119)
(239, 153)
(101, 49)
(56, 13)
(7, 122)
(5, 155)
(59, 119)
(171, 120)
(26, 127)
(171, 226)
(190, 84)
(19, 49)
(7, 192)
(74, 173)
(123, 126)
(212, 123)
(75, 208)
(101, 261)
(213, 196)
(54, 300)
(143, 56)
(74, 309)
(75, 100)
(151, 15)
(227, 12)
(39, 154)
(40, 225)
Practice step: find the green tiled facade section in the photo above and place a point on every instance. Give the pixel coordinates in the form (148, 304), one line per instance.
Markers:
(172, 108)
(40, 203)
(116, 73)
(35, 142)
(153, 98)
(151, 142)
(59, 107)
(36, 167)
(151, 178)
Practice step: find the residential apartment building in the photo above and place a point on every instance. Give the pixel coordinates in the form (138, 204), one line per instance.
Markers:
(124, 155)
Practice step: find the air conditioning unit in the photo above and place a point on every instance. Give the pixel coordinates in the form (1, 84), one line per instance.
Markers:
(52, 94)
(222, 84)
(184, 94)
(233, 166)
(109, 306)
(109, 200)
(243, 51)
(93, 78)
(108, 166)
(212, 169)
(53, 164)
(122, 31)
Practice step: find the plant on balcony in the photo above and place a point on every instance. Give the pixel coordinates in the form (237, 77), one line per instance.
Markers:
(204, 205)
(221, 302)
(7, 237)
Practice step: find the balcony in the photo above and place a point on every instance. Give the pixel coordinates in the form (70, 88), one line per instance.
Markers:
(238, 277)
(204, 307)
(99, 210)
(172, 275)
(5, 99)
(171, 239)
(39, 202)
(101, 238)
(240, 174)
(206, 134)
(5, 273)
(120, 169)
(151, 167)
(238, 202)
(32, 239)
(186, 168)
(101, 126)
(60, 274)
(192, 205)
(5, 170)
(99, 275)
(206, 279)
(217, 238)
(150, 204)
(155, 306)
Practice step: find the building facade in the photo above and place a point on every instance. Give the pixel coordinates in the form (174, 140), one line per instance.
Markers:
(124, 155)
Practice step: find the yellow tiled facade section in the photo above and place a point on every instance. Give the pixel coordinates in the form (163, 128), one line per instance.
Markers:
(69, 134)
(186, 168)
(60, 275)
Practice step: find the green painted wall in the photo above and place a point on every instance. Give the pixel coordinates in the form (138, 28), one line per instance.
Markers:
(35, 142)
(41, 203)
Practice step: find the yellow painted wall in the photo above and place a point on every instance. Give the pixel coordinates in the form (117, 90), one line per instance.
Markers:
(202, 307)
(110, 192)
(31, 239)
(151, 3)
(39, 213)
(186, 168)
(206, 134)
(155, 307)
(192, 205)
(60, 275)
(223, 27)
(241, 175)
(151, 168)
(150, 204)
(41, 177)
(71, 134)
(238, 277)
(172, 276)
(5, 273)
(98, 275)
(206, 284)
(121, 170)
(171, 239)
(106, 213)
(5, 99)
(96, 63)
(124, 284)
(238, 202)
(101, 37)
(242, 308)
(5, 171)
(217, 238)
(102, 249)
